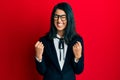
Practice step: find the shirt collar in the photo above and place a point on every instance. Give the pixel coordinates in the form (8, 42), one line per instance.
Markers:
(58, 36)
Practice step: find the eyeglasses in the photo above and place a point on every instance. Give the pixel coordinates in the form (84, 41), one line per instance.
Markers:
(62, 17)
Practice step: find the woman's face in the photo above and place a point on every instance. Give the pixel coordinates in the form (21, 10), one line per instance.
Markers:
(60, 20)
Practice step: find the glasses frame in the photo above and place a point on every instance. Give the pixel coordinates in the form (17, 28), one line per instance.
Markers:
(62, 17)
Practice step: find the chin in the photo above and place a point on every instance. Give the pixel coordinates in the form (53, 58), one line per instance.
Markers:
(60, 29)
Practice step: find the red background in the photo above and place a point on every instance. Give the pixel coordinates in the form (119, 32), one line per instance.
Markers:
(22, 22)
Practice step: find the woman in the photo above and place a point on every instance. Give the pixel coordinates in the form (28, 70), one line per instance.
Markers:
(59, 54)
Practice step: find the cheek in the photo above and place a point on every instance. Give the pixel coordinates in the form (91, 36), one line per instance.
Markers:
(55, 22)
(65, 23)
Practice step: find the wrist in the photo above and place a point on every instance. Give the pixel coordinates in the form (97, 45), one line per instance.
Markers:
(38, 59)
(39, 56)
(76, 60)
(78, 57)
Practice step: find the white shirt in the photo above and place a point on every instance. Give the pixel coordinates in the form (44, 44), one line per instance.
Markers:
(63, 54)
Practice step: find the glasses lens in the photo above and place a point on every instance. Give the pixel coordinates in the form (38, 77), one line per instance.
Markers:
(62, 17)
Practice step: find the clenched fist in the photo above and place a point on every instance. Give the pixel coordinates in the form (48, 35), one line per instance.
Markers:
(39, 48)
(77, 50)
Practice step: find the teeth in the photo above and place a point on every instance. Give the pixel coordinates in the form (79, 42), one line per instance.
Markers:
(60, 24)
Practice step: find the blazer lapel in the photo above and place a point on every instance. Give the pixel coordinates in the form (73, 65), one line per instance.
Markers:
(68, 53)
(52, 53)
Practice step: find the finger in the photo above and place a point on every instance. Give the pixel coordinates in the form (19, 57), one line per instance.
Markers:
(41, 44)
(74, 46)
(79, 44)
(37, 43)
(38, 46)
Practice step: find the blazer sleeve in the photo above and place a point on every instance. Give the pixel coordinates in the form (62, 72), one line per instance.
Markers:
(41, 66)
(79, 66)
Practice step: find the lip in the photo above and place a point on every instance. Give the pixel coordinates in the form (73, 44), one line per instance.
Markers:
(60, 25)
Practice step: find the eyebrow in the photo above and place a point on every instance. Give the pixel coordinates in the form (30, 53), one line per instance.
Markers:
(61, 15)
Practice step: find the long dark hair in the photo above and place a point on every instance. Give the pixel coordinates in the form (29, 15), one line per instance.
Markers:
(70, 27)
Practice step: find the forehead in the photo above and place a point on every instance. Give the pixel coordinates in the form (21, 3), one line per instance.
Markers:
(60, 12)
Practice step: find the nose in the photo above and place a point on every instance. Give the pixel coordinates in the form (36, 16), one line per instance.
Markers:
(59, 19)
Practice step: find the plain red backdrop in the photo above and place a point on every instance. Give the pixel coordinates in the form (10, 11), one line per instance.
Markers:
(22, 22)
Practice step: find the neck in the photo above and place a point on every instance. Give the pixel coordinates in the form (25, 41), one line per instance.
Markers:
(60, 33)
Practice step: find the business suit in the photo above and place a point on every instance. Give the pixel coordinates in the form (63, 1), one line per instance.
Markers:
(49, 67)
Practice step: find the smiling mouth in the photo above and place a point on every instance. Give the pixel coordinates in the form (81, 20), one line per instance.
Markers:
(60, 24)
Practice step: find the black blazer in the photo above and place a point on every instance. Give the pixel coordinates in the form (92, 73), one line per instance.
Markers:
(49, 67)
